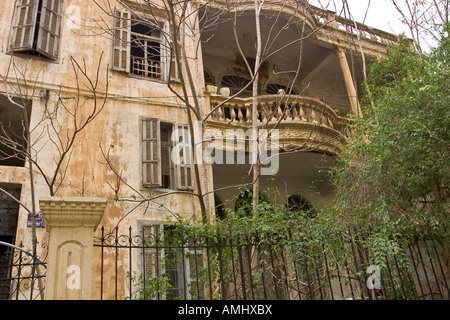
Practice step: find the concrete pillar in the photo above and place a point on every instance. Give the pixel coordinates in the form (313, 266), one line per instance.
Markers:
(71, 223)
(340, 52)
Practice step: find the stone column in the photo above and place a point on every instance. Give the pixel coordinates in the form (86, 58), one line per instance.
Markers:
(71, 223)
(340, 52)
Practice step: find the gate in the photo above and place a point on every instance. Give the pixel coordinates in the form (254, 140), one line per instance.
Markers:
(22, 277)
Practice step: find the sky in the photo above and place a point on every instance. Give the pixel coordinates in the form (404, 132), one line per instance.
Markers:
(381, 13)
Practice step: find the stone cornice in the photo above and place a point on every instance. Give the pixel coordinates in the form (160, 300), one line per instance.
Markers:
(72, 212)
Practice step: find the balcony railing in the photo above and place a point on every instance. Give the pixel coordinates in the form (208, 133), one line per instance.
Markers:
(274, 109)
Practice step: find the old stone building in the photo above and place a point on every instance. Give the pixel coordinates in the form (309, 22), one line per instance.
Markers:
(104, 94)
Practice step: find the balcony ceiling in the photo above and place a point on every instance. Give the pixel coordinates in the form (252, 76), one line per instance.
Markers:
(302, 173)
(320, 73)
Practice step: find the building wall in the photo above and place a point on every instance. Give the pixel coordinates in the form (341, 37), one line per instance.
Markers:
(117, 127)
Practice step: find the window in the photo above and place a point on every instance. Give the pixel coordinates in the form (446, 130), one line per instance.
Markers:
(13, 142)
(168, 263)
(36, 27)
(139, 47)
(166, 155)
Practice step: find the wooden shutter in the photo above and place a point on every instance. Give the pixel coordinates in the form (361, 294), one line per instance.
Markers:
(151, 153)
(121, 39)
(24, 25)
(172, 66)
(183, 154)
(50, 28)
(153, 258)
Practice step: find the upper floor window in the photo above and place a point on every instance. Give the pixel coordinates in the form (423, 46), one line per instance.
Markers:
(36, 27)
(141, 47)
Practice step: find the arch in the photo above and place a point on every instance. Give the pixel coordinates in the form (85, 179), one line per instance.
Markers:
(245, 201)
(273, 87)
(219, 207)
(298, 203)
(236, 83)
(208, 77)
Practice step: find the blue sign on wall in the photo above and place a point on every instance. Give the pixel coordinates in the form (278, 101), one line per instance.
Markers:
(39, 222)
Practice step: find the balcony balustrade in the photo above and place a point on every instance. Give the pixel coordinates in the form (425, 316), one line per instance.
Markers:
(303, 121)
(276, 109)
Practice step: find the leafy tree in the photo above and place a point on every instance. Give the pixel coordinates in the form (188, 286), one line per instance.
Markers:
(394, 173)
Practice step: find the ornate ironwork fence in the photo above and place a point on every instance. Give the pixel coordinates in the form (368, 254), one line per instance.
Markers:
(167, 262)
(22, 277)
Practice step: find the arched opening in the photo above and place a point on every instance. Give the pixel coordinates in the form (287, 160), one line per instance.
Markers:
(298, 203)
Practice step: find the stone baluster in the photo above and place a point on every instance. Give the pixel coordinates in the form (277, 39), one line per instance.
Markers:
(279, 111)
(314, 116)
(232, 113)
(291, 111)
(273, 112)
(295, 111)
(331, 122)
(220, 113)
(248, 112)
(325, 120)
(266, 111)
(262, 113)
(240, 116)
(303, 115)
(320, 116)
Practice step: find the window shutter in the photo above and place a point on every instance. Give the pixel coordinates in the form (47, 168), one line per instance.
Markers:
(170, 53)
(121, 39)
(151, 153)
(154, 236)
(24, 24)
(50, 28)
(183, 156)
(174, 70)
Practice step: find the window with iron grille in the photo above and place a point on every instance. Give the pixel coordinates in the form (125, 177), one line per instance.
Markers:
(166, 155)
(143, 47)
(36, 27)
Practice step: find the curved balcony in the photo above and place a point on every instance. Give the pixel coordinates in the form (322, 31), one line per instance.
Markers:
(303, 122)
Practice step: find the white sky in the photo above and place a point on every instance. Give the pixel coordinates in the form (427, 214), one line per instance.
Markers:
(381, 13)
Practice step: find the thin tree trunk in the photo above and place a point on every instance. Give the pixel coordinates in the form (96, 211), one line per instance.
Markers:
(255, 152)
